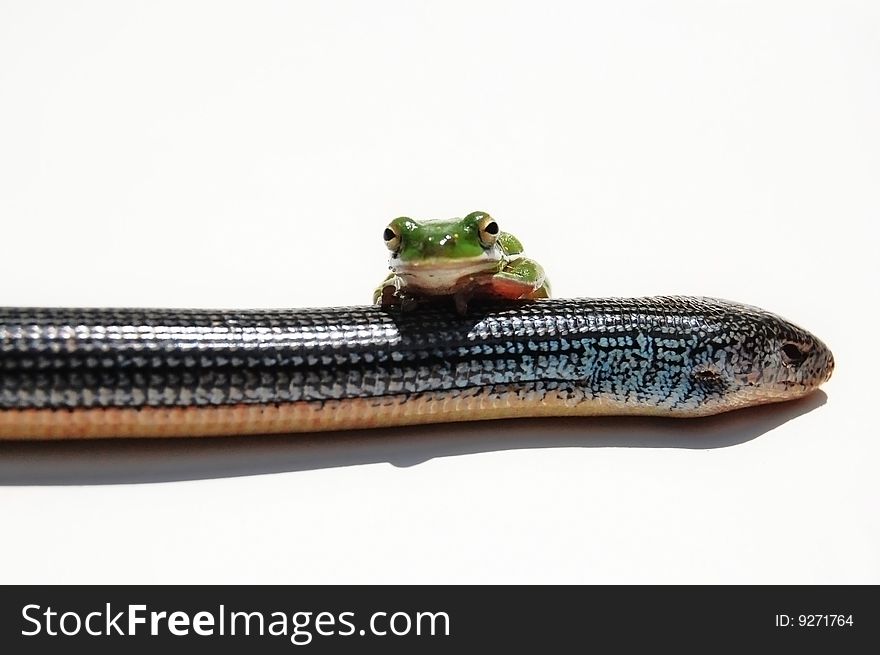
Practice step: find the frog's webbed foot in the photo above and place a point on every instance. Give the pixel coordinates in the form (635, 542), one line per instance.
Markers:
(387, 293)
(406, 303)
(386, 296)
(391, 294)
(402, 301)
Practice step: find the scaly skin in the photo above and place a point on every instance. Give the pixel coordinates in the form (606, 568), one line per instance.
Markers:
(137, 372)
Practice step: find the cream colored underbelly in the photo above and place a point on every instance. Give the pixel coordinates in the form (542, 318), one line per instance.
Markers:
(330, 415)
(443, 278)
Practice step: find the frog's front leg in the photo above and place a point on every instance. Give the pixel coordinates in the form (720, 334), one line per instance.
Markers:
(387, 290)
(391, 294)
(520, 278)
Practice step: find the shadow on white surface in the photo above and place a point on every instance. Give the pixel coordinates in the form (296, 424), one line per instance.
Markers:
(125, 461)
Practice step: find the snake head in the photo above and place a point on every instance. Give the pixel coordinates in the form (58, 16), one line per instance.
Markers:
(786, 361)
(759, 357)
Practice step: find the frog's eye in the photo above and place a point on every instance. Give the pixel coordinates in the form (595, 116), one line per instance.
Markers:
(392, 238)
(488, 230)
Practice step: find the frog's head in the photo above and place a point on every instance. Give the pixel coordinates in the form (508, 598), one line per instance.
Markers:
(436, 256)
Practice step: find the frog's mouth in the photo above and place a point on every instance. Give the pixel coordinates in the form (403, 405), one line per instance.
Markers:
(444, 276)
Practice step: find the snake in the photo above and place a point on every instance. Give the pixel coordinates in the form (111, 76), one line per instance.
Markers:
(69, 373)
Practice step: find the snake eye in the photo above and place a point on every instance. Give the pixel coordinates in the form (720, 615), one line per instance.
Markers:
(392, 238)
(792, 354)
(488, 230)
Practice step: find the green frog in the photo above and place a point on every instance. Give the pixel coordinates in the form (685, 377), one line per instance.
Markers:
(463, 258)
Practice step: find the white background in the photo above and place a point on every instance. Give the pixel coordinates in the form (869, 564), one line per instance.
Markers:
(245, 154)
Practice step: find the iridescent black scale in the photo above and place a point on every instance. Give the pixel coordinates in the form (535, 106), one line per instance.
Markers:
(663, 351)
